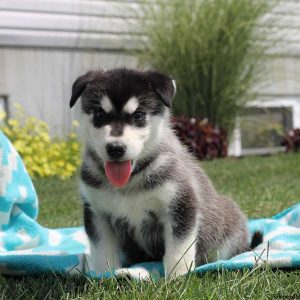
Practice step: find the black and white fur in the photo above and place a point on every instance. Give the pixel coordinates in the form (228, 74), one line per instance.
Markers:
(169, 210)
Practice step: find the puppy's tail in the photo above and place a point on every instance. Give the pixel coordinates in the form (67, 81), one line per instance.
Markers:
(257, 238)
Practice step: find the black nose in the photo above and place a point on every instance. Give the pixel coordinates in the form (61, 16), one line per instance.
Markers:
(115, 150)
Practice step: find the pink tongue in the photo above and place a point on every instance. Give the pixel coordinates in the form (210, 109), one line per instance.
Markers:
(118, 172)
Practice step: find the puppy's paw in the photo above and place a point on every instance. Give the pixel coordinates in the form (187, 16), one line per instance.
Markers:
(175, 266)
(100, 264)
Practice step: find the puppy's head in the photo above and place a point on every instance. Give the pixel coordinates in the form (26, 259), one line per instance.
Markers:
(122, 115)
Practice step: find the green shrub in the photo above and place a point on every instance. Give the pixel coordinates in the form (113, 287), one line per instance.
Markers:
(42, 155)
(292, 140)
(212, 48)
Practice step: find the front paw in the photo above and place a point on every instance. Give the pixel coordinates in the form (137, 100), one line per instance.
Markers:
(176, 266)
(101, 263)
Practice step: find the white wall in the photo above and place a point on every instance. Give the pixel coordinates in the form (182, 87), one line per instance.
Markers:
(41, 79)
(68, 23)
(46, 44)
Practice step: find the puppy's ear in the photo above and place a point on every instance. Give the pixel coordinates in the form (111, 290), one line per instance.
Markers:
(163, 85)
(80, 84)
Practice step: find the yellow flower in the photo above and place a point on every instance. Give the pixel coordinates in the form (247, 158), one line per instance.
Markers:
(60, 163)
(72, 135)
(75, 123)
(42, 155)
(45, 136)
(13, 123)
(19, 144)
(18, 106)
(70, 167)
(2, 114)
(75, 146)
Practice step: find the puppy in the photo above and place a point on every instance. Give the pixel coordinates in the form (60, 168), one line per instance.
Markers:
(145, 197)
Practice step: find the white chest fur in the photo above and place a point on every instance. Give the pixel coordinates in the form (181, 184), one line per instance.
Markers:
(134, 206)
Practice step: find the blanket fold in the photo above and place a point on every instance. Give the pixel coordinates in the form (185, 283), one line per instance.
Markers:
(28, 248)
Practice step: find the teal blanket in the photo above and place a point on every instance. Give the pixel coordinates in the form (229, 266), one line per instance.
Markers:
(28, 248)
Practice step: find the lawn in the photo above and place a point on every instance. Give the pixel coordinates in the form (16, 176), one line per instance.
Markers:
(262, 186)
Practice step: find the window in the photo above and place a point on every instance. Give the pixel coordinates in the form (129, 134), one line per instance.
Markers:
(265, 127)
(261, 128)
(4, 104)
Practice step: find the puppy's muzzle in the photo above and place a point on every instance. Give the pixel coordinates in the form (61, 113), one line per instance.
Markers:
(115, 150)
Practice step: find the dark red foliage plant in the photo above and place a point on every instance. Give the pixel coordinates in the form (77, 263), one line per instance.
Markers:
(204, 140)
(292, 140)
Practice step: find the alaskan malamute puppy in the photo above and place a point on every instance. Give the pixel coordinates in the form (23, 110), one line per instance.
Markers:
(145, 197)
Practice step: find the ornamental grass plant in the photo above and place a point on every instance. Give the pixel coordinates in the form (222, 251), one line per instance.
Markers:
(214, 49)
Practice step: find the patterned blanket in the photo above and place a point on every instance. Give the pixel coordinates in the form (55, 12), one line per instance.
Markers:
(28, 248)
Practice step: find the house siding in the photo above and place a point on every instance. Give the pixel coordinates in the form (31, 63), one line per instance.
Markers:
(45, 45)
(68, 24)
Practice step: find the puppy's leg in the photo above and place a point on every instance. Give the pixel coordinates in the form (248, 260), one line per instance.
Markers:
(103, 243)
(231, 232)
(180, 233)
(237, 238)
(180, 254)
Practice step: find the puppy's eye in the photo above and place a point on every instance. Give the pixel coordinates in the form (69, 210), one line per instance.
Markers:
(138, 116)
(99, 114)
(99, 117)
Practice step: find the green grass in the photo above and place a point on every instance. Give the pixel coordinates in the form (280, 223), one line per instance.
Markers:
(262, 186)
